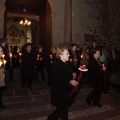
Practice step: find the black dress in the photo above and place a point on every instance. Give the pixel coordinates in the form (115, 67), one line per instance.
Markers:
(60, 90)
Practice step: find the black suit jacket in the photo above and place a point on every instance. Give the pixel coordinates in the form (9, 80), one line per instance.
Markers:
(61, 87)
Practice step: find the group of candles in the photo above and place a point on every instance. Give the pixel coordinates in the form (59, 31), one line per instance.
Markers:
(3, 62)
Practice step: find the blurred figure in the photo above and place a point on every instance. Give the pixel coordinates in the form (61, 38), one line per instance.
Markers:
(40, 63)
(50, 61)
(15, 57)
(74, 58)
(113, 62)
(9, 66)
(95, 78)
(28, 61)
(2, 77)
(62, 82)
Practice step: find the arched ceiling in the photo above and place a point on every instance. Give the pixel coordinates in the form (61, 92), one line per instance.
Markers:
(33, 7)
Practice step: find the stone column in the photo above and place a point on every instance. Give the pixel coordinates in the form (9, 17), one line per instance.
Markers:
(2, 11)
(68, 22)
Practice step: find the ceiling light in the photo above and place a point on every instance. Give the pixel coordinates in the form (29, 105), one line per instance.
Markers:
(25, 21)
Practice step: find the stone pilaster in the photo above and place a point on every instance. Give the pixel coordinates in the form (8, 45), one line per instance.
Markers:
(2, 10)
(68, 22)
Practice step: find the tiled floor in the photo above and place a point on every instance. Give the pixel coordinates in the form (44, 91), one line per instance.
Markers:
(23, 104)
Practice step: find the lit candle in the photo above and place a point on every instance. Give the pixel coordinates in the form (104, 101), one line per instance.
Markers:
(103, 65)
(20, 54)
(10, 55)
(50, 56)
(0, 63)
(70, 60)
(3, 55)
(84, 66)
(4, 62)
(38, 57)
(81, 56)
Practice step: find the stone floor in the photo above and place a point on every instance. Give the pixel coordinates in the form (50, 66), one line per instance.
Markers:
(23, 104)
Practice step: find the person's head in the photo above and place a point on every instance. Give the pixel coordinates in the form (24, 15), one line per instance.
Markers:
(15, 48)
(94, 43)
(3, 41)
(8, 41)
(73, 47)
(53, 49)
(63, 53)
(84, 46)
(1, 51)
(40, 48)
(96, 53)
(29, 47)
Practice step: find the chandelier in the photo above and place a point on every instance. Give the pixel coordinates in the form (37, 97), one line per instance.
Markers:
(25, 21)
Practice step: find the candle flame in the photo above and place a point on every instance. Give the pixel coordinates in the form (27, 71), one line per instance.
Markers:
(10, 55)
(4, 61)
(3, 55)
(103, 65)
(20, 54)
(0, 63)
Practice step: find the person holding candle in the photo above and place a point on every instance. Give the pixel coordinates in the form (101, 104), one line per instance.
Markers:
(62, 84)
(51, 59)
(2, 77)
(74, 58)
(95, 78)
(9, 66)
(41, 58)
(15, 56)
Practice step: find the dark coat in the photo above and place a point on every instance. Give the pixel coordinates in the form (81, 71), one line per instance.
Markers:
(61, 87)
(74, 65)
(95, 73)
(28, 63)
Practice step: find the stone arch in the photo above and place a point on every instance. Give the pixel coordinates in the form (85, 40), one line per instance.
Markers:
(49, 25)
(49, 1)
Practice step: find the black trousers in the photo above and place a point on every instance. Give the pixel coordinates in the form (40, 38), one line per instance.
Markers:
(60, 112)
(41, 70)
(26, 81)
(95, 95)
(1, 90)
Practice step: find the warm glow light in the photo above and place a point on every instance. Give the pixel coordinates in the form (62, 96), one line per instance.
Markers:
(10, 55)
(0, 63)
(4, 61)
(25, 21)
(3, 55)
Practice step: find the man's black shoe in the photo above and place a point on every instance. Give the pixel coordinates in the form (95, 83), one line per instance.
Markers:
(88, 102)
(2, 106)
(97, 105)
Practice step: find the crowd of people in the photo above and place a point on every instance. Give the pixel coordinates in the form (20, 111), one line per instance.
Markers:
(60, 64)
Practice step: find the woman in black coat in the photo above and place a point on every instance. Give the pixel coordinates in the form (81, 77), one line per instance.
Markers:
(27, 66)
(95, 78)
(62, 82)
